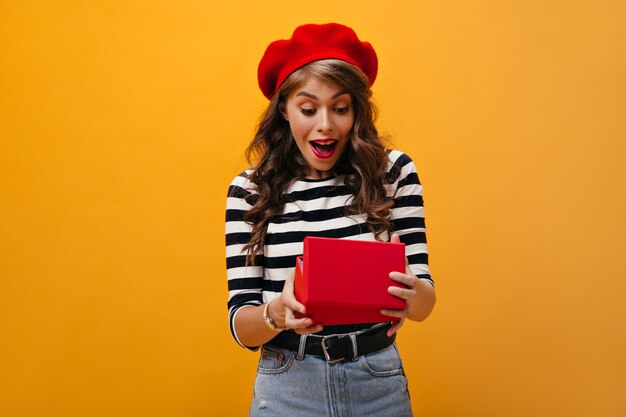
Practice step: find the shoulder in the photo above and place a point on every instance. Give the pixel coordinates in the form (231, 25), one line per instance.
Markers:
(242, 191)
(399, 166)
(241, 185)
(398, 158)
(242, 180)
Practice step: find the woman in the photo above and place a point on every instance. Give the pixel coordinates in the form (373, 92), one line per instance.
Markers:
(321, 170)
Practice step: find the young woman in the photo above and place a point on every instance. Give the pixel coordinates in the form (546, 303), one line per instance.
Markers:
(321, 170)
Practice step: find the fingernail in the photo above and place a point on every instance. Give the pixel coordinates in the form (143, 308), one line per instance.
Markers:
(308, 322)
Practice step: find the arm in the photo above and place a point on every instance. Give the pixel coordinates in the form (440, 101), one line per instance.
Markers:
(245, 282)
(409, 225)
(251, 326)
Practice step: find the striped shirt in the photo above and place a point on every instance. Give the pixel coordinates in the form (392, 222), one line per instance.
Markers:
(316, 207)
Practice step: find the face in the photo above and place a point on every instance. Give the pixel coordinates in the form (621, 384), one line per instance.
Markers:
(321, 118)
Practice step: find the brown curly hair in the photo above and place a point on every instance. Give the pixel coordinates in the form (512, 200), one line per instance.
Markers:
(279, 162)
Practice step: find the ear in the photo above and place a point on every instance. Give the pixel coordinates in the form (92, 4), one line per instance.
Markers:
(283, 111)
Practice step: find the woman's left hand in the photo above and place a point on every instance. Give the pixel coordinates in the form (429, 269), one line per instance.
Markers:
(411, 294)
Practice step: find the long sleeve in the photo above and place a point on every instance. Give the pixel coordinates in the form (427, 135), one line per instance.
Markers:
(245, 282)
(408, 213)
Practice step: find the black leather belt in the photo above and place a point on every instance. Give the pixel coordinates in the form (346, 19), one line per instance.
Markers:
(337, 347)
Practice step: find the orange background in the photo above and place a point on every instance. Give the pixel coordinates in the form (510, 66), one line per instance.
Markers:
(123, 122)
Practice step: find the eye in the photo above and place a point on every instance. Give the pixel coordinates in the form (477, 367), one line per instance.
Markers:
(342, 110)
(308, 112)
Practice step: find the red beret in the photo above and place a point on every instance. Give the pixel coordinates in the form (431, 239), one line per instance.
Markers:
(312, 43)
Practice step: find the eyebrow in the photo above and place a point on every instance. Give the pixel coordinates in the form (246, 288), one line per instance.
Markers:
(314, 97)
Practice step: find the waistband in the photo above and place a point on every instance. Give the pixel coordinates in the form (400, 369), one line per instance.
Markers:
(336, 347)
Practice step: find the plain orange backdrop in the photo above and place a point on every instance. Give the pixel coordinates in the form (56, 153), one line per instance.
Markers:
(123, 122)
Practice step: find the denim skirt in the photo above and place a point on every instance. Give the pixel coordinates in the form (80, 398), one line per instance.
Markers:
(292, 384)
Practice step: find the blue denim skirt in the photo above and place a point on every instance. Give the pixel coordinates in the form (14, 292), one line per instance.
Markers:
(293, 384)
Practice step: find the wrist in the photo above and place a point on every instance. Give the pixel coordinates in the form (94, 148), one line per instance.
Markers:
(269, 318)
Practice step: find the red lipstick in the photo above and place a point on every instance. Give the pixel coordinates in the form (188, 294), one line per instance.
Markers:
(324, 148)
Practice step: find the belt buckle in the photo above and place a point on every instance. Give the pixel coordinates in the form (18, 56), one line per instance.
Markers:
(325, 349)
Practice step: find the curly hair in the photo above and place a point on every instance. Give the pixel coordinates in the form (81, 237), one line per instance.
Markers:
(280, 163)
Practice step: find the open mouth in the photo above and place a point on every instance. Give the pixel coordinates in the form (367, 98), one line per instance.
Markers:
(324, 148)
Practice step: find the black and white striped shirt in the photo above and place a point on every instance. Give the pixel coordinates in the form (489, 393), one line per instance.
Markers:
(316, 208)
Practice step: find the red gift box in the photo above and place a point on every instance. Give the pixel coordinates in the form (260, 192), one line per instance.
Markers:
(342, 281)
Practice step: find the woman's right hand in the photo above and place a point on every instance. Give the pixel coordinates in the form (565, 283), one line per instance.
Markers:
(289, 313)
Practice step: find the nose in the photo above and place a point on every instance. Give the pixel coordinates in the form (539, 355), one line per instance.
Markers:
(325, 123)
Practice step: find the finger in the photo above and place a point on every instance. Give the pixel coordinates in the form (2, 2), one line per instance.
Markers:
(289, 300)
(295, 322)
(293, 304)
(289, 297)
(394, 313)
(303, 325)
(406, 279)
(311, 329)
(395, 238)
(404, 293)
(395, 327)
